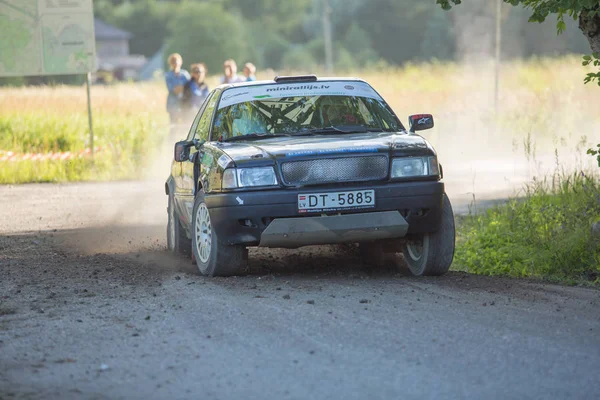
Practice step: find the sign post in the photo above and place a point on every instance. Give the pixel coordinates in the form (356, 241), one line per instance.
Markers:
(48, 37)
(89, 104)
(497, 54)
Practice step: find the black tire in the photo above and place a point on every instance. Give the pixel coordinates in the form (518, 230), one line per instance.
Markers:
(432, 253)
(213, 257)
(177, 240)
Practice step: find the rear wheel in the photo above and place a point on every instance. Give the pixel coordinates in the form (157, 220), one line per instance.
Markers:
(432, 253)
(213, 258)
(177, 240)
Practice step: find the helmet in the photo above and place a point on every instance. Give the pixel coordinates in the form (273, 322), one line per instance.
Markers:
(337, 110)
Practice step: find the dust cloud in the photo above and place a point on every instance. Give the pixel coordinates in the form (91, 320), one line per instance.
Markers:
(539, 126)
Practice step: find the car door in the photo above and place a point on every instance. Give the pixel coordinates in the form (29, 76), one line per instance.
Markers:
(200, 131)
(181, 194)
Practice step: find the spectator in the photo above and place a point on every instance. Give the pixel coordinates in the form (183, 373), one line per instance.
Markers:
(230, 72)
(176, 79)
(195, 90)
(249, 71)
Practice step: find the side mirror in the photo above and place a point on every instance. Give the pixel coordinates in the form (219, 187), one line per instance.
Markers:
(182, 151)
(420, 122)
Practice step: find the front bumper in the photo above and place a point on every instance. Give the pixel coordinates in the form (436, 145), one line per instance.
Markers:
(304, 231)
(265, 217)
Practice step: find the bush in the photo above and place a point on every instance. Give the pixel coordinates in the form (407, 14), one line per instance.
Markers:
(547, 233)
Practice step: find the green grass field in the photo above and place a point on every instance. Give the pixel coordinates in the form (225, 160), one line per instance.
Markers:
(124, 144)
(129, 127)
(546, 233)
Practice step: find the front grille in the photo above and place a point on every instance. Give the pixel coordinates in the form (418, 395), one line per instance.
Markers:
(332, 170)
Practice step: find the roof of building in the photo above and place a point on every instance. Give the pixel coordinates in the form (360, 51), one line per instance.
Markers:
(103, 30)
(155, 63)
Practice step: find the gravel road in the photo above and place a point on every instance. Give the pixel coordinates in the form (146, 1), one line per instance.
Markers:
(93, 307)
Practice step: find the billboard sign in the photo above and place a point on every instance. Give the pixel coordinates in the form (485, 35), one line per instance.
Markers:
(46, 37)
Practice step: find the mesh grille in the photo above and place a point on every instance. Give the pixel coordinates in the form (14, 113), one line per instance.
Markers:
(329, 170)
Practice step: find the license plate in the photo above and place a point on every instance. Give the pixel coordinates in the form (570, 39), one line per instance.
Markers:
(333, 201)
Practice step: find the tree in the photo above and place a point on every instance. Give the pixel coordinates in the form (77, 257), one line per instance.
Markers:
(397, 28)
(437, 37)
(273, 26)
(206, 32)
(586, 11)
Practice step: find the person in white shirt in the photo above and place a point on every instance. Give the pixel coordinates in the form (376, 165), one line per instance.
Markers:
(230, 73)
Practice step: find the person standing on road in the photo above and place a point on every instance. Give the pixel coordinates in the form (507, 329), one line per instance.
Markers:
(195, 90)
(230, 72)
(249, 72)
(176, 79)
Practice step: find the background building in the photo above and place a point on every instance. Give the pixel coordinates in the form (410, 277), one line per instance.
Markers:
(112, 50)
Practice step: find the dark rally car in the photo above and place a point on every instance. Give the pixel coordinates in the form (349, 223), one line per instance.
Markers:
(302, 161)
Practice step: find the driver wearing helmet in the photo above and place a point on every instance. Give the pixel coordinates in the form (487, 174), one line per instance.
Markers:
(337, 113)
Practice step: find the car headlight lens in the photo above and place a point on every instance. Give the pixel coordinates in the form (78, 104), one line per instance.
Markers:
(249, 177)
(256, 177)
(407, 167)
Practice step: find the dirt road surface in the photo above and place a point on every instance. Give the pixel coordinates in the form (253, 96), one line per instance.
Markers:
(93, 307)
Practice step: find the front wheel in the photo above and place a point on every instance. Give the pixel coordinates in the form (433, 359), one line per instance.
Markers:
(213, 257)
(432, 253)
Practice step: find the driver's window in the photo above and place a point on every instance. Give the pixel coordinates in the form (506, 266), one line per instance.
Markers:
(192, 131)
(199, 115)
(203, 128)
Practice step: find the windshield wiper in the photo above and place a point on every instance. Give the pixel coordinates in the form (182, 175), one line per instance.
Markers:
(254, 136)
(338, 129)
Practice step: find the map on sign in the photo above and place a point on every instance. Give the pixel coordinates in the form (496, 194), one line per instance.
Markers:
(46, 37)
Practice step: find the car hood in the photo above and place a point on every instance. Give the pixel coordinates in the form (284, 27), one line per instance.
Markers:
(284, 148)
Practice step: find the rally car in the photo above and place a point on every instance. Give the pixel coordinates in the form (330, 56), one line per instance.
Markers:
(300, 161)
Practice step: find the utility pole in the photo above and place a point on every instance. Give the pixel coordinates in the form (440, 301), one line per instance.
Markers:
(497, 61)
(327, 37)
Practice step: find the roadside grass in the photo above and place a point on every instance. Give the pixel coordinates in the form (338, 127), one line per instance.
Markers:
(545, 233)
(129, 128)
(124, 145)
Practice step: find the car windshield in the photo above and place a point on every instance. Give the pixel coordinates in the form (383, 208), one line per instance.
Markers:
(303, 109)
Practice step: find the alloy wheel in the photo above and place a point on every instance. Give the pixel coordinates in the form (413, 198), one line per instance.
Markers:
(203, 233)
(416, 247)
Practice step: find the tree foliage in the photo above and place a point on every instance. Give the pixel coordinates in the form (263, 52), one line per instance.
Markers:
(289, 33)
(206, 32)
(541, 9)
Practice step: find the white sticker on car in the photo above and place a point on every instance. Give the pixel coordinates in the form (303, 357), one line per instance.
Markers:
(244, 94)
(224, 161)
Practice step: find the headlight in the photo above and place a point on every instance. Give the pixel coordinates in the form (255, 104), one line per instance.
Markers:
(407, 167)
(248, 177)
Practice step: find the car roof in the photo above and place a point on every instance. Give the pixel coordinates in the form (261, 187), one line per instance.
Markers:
(289, 80)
